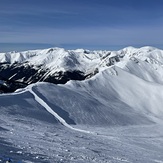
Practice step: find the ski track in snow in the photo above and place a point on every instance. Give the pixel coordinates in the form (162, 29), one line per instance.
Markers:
(50, 110)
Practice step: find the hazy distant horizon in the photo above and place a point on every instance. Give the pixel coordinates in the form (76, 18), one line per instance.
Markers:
(7, 47)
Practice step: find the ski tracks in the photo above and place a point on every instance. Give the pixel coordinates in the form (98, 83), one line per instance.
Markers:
(50, 110)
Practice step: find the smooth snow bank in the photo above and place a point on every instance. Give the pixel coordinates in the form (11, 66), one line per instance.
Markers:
(83, 108)
(51, 111)
(113, 97)
(22, 105)
(115, 84)
(129, 92)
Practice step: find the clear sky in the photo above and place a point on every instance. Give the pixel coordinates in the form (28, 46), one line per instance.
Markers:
(91, 24)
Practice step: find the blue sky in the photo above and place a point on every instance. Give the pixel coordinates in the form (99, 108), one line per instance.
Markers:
(91, 24)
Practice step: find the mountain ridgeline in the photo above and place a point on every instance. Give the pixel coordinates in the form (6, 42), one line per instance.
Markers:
(58, 66)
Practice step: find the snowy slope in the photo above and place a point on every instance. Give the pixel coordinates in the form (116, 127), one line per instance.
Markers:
(107, 99)
(112, 97)
(124, 79)
(115, 115)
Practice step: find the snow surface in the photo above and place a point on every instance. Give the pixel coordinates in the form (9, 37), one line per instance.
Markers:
(59, 118)
(115, 116)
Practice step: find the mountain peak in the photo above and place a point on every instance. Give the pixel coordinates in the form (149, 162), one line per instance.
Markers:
(58, 65)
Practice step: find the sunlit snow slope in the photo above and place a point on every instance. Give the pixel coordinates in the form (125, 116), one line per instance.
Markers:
(57, 65)
(113, 115)
(126, 88)
(108, 98)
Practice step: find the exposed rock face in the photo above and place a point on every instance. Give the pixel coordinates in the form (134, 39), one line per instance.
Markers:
(19, 75)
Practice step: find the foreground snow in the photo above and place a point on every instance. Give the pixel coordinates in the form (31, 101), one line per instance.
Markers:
(33, 141)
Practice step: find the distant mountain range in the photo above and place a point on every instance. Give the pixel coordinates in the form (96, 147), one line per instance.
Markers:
(57, 65)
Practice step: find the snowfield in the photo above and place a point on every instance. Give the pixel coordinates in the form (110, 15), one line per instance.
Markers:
(113, 116)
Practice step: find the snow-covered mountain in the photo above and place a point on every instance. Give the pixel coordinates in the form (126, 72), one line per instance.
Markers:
(57, 65)
(113, 115)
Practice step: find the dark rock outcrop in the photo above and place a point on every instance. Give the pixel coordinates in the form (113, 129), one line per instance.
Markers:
(19, 75)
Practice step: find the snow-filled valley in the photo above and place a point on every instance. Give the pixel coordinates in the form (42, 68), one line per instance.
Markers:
(114, 114)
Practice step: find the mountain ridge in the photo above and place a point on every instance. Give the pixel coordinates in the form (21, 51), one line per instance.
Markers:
(57, 65)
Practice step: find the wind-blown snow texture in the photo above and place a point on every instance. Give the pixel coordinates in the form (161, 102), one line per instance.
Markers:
(115, 115)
